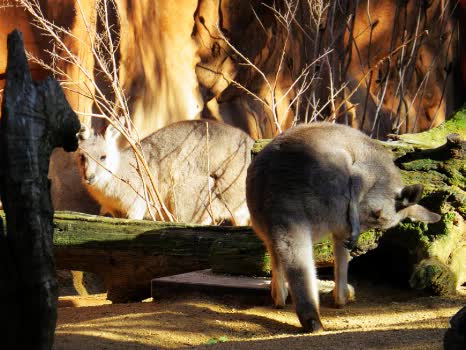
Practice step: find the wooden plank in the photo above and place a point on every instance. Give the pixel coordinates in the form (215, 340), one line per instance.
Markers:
(206, 282)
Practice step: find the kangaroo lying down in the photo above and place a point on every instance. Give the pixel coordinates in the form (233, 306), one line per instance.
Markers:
(200, 179)
(321, 179)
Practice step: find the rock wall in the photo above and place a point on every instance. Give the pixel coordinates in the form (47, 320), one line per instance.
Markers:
(384, 67)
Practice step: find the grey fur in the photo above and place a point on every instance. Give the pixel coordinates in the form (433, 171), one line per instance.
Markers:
(184, 169)
(320, 179)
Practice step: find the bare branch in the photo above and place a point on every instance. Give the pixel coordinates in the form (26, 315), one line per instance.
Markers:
(103, 48)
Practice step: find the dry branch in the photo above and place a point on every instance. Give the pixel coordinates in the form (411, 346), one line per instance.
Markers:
(103, 47)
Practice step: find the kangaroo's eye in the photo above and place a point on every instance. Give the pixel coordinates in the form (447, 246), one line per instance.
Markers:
(102, 158)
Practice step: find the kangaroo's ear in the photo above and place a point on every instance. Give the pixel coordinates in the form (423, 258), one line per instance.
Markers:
(408, 196)
(111, 133)
(353, 210)
(419, 213)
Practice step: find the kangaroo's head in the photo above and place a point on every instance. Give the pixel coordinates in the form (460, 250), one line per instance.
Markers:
(99, 156)
(385, 208)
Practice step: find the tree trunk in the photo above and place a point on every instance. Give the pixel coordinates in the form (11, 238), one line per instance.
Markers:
(35, 119)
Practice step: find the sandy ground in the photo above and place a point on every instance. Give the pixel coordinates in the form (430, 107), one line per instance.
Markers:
(382, 317)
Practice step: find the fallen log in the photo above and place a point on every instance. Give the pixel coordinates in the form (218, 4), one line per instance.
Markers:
(127, 254)
(431, 257)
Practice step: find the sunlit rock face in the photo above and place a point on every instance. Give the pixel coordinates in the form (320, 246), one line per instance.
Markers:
(386, 67)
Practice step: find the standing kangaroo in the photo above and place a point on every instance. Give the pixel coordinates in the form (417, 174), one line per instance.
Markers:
(200, 179)
(319, 179)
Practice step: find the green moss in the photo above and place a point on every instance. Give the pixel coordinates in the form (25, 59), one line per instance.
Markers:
(243, 255)
(457, 200)
(455, 171)
(440, 228)
(367, 240)
(417, 237)
(431, 181)
(323, 250)
(258, 145)
(397, 148)
(246, 255)
(421, 165)
(445, 200)
(434, 276)
(436, 137)
(458, 262)
(410, 237)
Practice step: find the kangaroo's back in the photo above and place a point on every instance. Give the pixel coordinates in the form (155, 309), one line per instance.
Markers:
(305, 172)
(197, 145)
(200, 168)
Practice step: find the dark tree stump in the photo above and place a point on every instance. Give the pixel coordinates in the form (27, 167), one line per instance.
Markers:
(36, 118)
(455, 336)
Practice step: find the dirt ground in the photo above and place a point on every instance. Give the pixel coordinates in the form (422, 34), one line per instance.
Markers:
(382, 317)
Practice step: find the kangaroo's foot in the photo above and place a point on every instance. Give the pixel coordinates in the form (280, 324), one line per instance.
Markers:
(341, 299)
(310, 321)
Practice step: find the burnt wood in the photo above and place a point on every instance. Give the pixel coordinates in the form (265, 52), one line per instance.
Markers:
(36, 118)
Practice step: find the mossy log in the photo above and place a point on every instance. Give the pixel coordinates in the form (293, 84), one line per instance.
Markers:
(434, 255)
(127, 254)
(436, 137)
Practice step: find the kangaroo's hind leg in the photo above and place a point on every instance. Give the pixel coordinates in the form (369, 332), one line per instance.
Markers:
(278, 286)
(293, 248)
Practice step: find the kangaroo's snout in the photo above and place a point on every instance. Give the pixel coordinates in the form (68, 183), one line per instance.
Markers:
(87, 174)
(90, 179)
